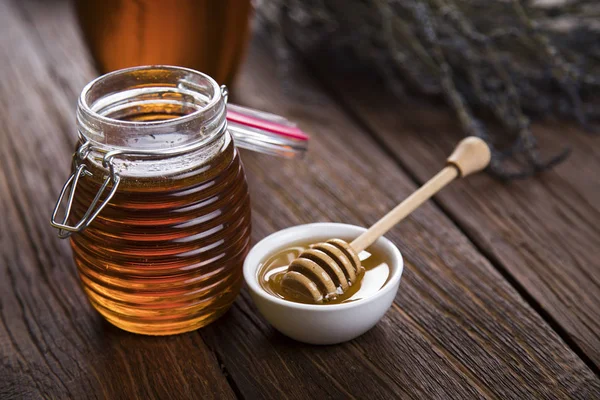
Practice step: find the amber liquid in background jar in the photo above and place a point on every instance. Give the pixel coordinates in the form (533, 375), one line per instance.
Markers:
(206, 35)
(165, 255)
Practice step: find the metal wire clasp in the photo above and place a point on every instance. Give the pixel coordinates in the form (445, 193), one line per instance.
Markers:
(65, 230)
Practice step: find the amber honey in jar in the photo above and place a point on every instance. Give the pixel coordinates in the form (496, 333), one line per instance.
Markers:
(157, 207)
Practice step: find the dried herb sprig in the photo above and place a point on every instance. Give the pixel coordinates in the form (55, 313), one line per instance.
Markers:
(515, 60)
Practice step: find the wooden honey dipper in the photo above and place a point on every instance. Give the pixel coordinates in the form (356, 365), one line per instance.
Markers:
(328, 269)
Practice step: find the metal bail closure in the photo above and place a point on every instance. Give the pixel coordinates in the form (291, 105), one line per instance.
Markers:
(65, 230)
(225, 93)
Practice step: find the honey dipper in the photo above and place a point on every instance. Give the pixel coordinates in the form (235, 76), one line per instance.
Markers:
(327, 269)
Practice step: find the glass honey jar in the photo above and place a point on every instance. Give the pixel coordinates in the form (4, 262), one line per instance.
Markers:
(157, 207)
(207, 35)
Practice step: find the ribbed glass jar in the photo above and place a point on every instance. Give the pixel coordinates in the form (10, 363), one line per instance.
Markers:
(164, 255)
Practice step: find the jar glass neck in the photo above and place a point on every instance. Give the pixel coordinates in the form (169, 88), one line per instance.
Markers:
(151, 108)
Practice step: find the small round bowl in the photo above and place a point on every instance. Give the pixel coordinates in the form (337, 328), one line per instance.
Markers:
(321, 324)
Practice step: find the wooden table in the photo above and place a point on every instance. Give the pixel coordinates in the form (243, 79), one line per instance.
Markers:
(500, 296)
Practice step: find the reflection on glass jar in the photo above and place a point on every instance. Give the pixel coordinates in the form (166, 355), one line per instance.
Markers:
(207, 35)
(165, 254)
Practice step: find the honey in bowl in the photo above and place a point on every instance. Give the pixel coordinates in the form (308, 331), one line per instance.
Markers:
(375, 276)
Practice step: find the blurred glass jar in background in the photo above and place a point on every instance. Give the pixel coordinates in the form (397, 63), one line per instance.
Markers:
(207, 35)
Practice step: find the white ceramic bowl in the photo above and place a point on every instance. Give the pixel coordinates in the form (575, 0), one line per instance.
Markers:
(321, 324)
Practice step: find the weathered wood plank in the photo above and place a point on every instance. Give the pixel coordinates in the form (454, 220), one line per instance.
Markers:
(52, 343)
(543, 231)
(457, 328)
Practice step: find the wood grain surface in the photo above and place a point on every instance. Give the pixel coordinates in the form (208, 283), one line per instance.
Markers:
(457, 328)
(541, 233)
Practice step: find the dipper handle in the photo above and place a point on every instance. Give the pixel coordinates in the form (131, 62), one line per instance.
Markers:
(471, 155)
